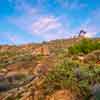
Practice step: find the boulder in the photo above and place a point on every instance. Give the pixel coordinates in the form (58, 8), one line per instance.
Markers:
(61, 95)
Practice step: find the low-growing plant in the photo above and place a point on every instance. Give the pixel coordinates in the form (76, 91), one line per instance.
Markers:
(39, 57)
(85, 46)
(69, 75)
(61, 77)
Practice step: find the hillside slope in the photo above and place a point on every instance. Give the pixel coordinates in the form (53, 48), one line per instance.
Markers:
(43, 71)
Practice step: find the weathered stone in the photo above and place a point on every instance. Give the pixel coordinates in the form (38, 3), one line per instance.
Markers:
(41, 50)
(61, 95)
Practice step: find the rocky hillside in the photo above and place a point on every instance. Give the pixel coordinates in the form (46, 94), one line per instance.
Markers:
(48, 71)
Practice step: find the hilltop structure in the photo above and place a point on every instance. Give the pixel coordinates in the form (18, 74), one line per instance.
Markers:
(82, 33)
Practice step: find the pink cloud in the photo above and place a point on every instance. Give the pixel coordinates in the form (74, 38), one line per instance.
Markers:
(36, 24)
(14, 38)
(45, 24)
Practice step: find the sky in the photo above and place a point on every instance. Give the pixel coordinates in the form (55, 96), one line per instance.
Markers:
(29, 21)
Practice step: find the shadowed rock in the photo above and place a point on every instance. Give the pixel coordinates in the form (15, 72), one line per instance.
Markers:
(10, 82)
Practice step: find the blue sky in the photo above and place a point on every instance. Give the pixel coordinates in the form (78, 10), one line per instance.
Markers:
(26, 21)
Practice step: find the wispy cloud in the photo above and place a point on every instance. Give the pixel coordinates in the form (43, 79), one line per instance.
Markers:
(45, 24)
(72, 5)
(13, 38)
(92, 23)
(35, 23)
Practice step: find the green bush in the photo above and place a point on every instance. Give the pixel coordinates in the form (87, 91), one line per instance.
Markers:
(85, 46)
(69, 75)
(61, 77)
(39, 57)
(8, 53)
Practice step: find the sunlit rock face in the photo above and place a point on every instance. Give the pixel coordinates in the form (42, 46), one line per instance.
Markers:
(61, 95)
(43, 50)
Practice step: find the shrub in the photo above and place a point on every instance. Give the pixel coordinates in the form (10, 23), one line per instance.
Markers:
(85, 46)
(61, 77)
(39, 57)
(69, 75)
(91, 58)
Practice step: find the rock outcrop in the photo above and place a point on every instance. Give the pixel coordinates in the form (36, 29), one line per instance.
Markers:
(43, 50)
(61, 95)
